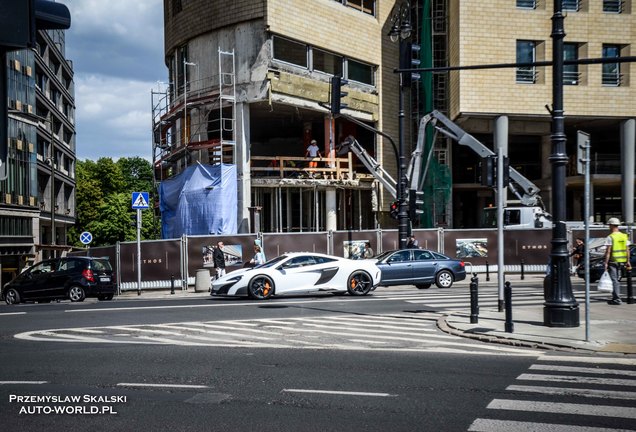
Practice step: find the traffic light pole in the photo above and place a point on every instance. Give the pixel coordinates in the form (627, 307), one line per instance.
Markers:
(403, 215)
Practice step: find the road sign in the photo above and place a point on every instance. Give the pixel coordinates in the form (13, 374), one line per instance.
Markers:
(140, 200)
(86, 237)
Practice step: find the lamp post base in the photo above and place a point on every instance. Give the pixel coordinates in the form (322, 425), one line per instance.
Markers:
(561, 316)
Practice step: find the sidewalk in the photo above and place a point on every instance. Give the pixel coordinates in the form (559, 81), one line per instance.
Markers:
(612, 328)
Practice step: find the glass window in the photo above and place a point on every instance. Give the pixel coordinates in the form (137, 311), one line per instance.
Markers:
(366, 6)
(611, 71)
(613, 6)
(324, 61)
(527, 4)
(360, 72)
(422, 255)
(571, 5)
(290, 52)
(401, 256)
(570, 72)
(526, 53)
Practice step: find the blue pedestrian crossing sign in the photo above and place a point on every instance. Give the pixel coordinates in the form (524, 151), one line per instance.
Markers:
(86, 237)
(140, 200)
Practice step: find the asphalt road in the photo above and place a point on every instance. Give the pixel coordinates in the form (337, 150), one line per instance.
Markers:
(320, 363)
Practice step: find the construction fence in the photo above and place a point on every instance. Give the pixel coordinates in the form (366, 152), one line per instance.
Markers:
(177, 261)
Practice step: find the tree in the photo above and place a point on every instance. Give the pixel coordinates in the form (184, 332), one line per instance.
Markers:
(103, 198)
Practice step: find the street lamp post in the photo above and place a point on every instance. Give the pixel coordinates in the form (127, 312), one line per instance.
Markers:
(401, 31)
(560, 308)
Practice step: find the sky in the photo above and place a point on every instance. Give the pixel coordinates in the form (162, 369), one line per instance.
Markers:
(117, 51)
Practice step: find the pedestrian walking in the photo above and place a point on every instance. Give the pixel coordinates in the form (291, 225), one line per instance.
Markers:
(259, 258)
(412, 243)
(218, 257)
(616, 257)
(368, 252)
(578, 252)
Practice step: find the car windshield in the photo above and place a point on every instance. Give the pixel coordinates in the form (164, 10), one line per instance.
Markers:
(273, 261)
(383, 255)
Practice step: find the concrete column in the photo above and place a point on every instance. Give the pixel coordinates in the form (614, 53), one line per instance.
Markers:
(242, 159)
(628, 148)
(331, 207)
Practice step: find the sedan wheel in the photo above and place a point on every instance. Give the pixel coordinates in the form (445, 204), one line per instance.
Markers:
(11, 296)
(261, 288)
(359, 283)
(76, 294)
(444, 279)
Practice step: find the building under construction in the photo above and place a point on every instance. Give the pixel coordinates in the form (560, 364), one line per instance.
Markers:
(250, 85)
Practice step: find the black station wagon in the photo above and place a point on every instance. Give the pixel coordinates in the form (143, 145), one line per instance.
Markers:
(73, 278)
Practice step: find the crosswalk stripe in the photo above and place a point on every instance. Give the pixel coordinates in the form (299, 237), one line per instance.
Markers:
(486, 425)
(577, 379)
(563, 408)
(583, 370)
(571, 391)
(595, 360)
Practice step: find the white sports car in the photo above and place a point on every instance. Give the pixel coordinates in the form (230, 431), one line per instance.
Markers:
(300, 272)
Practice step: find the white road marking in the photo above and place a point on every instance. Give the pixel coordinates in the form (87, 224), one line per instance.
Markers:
(337, 392)
(583, 370)
(563, 408)
(22, 382)
(12, 313)
(577, 379)
(485, 425)
(571, 391)
(595, 360)
(185, 386)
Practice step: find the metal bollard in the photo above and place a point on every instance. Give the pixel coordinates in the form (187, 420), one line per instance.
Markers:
(630, 292)
(487, 272)
(508, 300)
(171, 284)
(523, 276)
(474, 299)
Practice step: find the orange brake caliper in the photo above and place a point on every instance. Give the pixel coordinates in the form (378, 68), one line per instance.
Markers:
(266, 288)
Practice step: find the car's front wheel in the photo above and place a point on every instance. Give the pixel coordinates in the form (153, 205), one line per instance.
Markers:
(359, 283)
(11, 296)
(76, 294)
(261, 287)
(444, 279)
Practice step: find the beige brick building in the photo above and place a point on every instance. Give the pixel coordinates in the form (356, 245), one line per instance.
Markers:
(598, 99)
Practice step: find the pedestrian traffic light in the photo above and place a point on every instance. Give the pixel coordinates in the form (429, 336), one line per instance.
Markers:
(416, 203)
(394, 210)
(409, 59)
(337, 94)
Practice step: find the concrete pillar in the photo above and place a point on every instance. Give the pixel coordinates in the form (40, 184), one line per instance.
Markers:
(628, 148)
(242, 158)
(331, 207)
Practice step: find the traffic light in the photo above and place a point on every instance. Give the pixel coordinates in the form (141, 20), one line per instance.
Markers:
(19, 21)
(409, 59)
(489, 171)
(394, 210)
(416, 203)
(337, 94)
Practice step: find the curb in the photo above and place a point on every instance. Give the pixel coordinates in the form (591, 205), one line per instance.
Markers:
(444, 326)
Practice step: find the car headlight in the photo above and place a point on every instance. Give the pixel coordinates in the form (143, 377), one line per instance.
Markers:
(235, 279)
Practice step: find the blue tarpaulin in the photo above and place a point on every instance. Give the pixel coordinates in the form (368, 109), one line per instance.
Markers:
(201, 200)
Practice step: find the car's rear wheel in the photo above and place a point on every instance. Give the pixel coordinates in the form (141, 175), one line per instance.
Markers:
(76, 294)
(359, 283)
(444, 279)
(422, 286)
(261, 287)
(11, 296)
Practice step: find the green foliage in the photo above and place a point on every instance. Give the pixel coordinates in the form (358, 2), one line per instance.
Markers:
(103, 198)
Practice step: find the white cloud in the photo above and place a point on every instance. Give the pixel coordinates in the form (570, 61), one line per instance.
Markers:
(117, 52)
